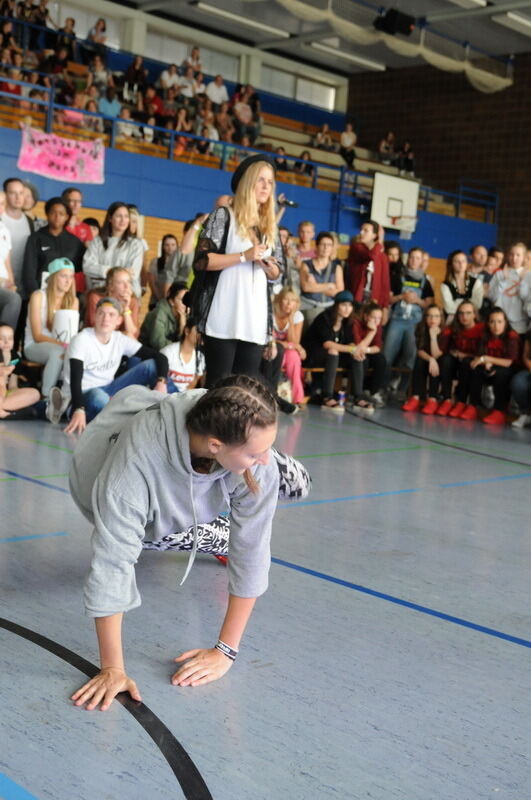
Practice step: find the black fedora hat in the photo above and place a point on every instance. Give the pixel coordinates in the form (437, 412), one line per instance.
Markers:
(238, 173)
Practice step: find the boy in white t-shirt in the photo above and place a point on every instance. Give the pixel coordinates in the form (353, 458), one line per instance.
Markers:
(91, 362)
(186, 363)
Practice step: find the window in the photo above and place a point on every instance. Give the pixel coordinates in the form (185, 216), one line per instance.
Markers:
(85, 20)
(277, 82)
(316, 94)
(172, 51)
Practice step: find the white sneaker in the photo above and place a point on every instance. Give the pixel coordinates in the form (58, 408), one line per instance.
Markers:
(377, 399)
(54, 407)
(522, 421)
(487, 396)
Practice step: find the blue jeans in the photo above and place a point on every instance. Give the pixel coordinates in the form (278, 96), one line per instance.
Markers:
(521, 389)
(143, 374)
(400, 339)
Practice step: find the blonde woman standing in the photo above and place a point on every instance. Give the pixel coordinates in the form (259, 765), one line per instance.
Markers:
(40, 343)
(238, 252)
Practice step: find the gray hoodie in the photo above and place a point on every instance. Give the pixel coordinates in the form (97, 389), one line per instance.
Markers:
(132, 477)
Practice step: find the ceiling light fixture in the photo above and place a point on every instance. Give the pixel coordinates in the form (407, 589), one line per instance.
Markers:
(514, 21)
(469, 3)
(249, 23)
(362, 62)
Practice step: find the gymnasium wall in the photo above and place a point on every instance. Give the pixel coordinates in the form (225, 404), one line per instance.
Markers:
(456, 131)
(176, 191)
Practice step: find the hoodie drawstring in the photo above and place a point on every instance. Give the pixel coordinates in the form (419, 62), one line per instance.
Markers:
(193, 551)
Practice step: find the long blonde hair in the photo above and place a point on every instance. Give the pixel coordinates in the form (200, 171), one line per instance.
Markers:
(69, 298)
(251, 215)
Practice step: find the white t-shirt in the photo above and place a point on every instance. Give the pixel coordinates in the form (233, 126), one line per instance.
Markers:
(169, 80)
(100, 361)
(239, 306)
(20, 231)
(5, 247)
(182, 372)
(218, 94)
(281, 334)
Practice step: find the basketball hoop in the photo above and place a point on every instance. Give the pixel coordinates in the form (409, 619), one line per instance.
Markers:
(405, 223)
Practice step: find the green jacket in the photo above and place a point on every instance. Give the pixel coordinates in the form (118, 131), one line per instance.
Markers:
(160, 327)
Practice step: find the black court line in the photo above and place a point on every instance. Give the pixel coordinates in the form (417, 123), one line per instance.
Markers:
(182, 766)
(444, 444)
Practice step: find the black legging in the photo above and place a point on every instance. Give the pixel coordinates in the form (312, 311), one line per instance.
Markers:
(375, 362)
(500, 380)
(322, 358)
(231, 357)
(451, 368)
(421, 374)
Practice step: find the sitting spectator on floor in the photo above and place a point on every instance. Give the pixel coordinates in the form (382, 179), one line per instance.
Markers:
(217, 92)
(348, 144)
(459, 285)
(410, 295)
(114, 247)
(369, 268)
(430, 342)
(521, 387)
(405, 160)
(117, 286)
(306, 235)
(109, 104)
(329, 343)
(302, 165)
(505, 288)
(368, 341)
(386, 149)
(41, 339)
(12, 397)
(287, 333)
(74, 200)
(92, 359)
(186, 362)
(165, 324)
(460, 344)
(157, 275)
(280, 160)
(322, 139)
(493, 366)
(50, 243)
(321, 278)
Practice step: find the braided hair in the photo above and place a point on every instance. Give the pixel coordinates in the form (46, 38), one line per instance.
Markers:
(230, 409)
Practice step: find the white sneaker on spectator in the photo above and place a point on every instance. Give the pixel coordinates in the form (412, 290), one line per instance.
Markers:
(522, 421)
(377, 399)
(54, 406)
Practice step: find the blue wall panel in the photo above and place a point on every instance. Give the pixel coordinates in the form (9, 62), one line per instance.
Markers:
(174, 190)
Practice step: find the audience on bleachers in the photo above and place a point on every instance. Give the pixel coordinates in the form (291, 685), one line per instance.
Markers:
(114, 247)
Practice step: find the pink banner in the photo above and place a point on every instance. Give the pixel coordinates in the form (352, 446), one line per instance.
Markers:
(69, 160)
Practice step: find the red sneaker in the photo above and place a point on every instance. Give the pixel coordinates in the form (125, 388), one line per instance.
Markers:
(223, 559)
(457, 410)
(495, 418)
(444, 408)
(430, 407)
(413, 404)
(470, 413)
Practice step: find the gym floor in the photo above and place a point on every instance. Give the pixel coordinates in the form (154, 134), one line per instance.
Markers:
(389, 658)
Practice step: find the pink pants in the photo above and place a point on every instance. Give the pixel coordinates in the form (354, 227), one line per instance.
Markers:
(291, 364)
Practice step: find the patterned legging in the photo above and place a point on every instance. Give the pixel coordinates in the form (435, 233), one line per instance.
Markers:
(213, 537)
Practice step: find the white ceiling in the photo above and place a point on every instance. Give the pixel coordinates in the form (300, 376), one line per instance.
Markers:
(444, 19)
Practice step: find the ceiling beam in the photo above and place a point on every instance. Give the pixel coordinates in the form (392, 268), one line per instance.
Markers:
(486, 11)
(318, 33)
(155, 5)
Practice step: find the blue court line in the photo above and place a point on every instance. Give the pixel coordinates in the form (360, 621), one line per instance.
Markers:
(485, 480)
(405, 603)
(34, 480)
(32, 536)
(9, 790)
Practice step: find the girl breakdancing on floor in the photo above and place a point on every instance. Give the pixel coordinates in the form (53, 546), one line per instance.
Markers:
(150, 465)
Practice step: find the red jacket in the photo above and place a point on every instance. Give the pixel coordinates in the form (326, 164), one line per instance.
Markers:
(359, 258)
